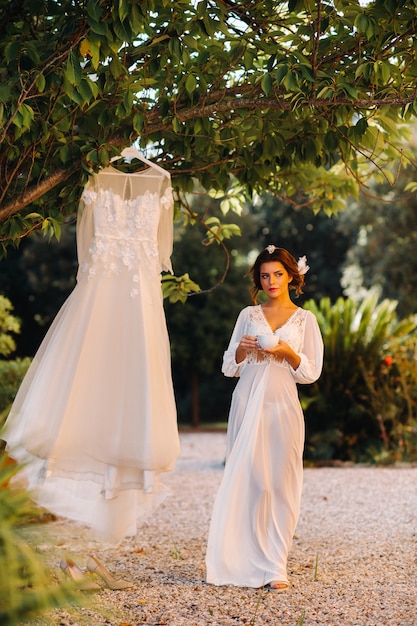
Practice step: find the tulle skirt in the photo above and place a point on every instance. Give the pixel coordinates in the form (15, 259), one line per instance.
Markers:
(95, 416)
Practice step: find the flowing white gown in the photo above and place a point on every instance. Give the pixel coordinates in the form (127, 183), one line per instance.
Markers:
(95, 416)
(257, 506)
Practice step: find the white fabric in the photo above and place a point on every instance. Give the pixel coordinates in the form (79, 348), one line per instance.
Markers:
(257, 506)
(95, 415)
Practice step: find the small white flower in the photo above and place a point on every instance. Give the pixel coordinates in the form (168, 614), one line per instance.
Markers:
(302, 265)
(271, 248)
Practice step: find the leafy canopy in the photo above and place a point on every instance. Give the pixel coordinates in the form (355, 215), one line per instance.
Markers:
(265, 94)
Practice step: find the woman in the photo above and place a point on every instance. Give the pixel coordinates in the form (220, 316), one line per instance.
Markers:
(257, 507)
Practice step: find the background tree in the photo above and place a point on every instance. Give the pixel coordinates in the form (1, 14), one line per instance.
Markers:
(382, 257)
(270, 95)
(200, 329)
(294, 226)
(37, 277)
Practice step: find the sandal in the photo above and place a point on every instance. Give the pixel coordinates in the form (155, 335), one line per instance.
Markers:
(278, 586)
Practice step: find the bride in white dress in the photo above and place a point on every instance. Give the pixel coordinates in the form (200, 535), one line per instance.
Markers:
(95, 416)
(257, 506)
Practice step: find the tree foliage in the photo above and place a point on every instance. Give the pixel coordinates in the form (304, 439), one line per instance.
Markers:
(263, 95)
(383, 228)
(200, 331)
(302, 232)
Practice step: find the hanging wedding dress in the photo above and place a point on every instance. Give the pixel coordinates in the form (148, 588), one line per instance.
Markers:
(95, 416)
(257, 506)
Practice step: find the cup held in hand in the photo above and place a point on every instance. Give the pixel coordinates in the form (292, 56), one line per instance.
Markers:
(267, 342)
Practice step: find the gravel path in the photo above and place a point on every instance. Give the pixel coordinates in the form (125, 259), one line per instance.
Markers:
(353, 562)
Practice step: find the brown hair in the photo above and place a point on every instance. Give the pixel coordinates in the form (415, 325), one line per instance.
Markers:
(287, 260)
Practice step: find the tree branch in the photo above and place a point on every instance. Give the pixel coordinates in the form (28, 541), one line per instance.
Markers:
(34, 193)
(225, 106)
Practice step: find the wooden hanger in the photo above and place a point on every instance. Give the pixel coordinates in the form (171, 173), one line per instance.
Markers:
(134, 153)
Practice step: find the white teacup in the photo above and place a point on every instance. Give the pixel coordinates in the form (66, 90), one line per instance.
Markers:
(267, 342)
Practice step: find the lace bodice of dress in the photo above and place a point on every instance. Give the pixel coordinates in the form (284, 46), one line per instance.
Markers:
(126, 213)
(292, 331)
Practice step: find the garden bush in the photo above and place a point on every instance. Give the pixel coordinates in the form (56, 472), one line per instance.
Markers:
(11, 371)
(26, 587)
(11, 375)
(344, 419)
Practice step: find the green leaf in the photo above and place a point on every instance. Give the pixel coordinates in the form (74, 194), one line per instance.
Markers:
(123, 9)
(11, 51)
(31, 51)
(40, 83)
(174, 47)
(85, 91)
(73, 70)
(266, 84)
(201, 9)
(307, 72)
(190, 83)
(190, 42)
(117, 69)
(281, 73)
(94, 10)
(95, 54)
(65, 154)
(138, 122)
(4, 92)
(92, 157)
(361, 23)
(361, 125)
(176, 288)
(99, 28)
(411, 187)
(26, 115)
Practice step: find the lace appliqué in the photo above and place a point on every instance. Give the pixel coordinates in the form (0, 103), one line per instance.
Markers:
(292, 332)
(167, 200)
(125, 234)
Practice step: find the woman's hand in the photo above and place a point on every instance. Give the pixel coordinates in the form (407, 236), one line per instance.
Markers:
(283, 351)
(246, 343)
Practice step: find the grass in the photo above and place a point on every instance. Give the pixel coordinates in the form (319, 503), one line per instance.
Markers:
(302, 619)
(261, 595)
(316, 569)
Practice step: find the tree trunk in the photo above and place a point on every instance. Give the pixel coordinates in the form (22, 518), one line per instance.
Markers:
(195, 400)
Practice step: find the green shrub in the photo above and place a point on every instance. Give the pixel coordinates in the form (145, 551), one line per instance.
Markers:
(11, 372)
(26, 588)
(340, 410)
(11, 375)
(392, 390)
(8, 324)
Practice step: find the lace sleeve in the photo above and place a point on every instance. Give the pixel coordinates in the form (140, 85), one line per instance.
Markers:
(84, 226)
(166, 227)
(311, 353)
(230, 367)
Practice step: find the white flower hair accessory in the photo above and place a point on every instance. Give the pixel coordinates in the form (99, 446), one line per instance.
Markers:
(302, 265)
(271, 248)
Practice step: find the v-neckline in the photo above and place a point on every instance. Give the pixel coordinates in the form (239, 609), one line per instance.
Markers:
(282, 325)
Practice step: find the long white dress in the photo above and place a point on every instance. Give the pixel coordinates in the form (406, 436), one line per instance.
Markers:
(257, 506)
(95, 416)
